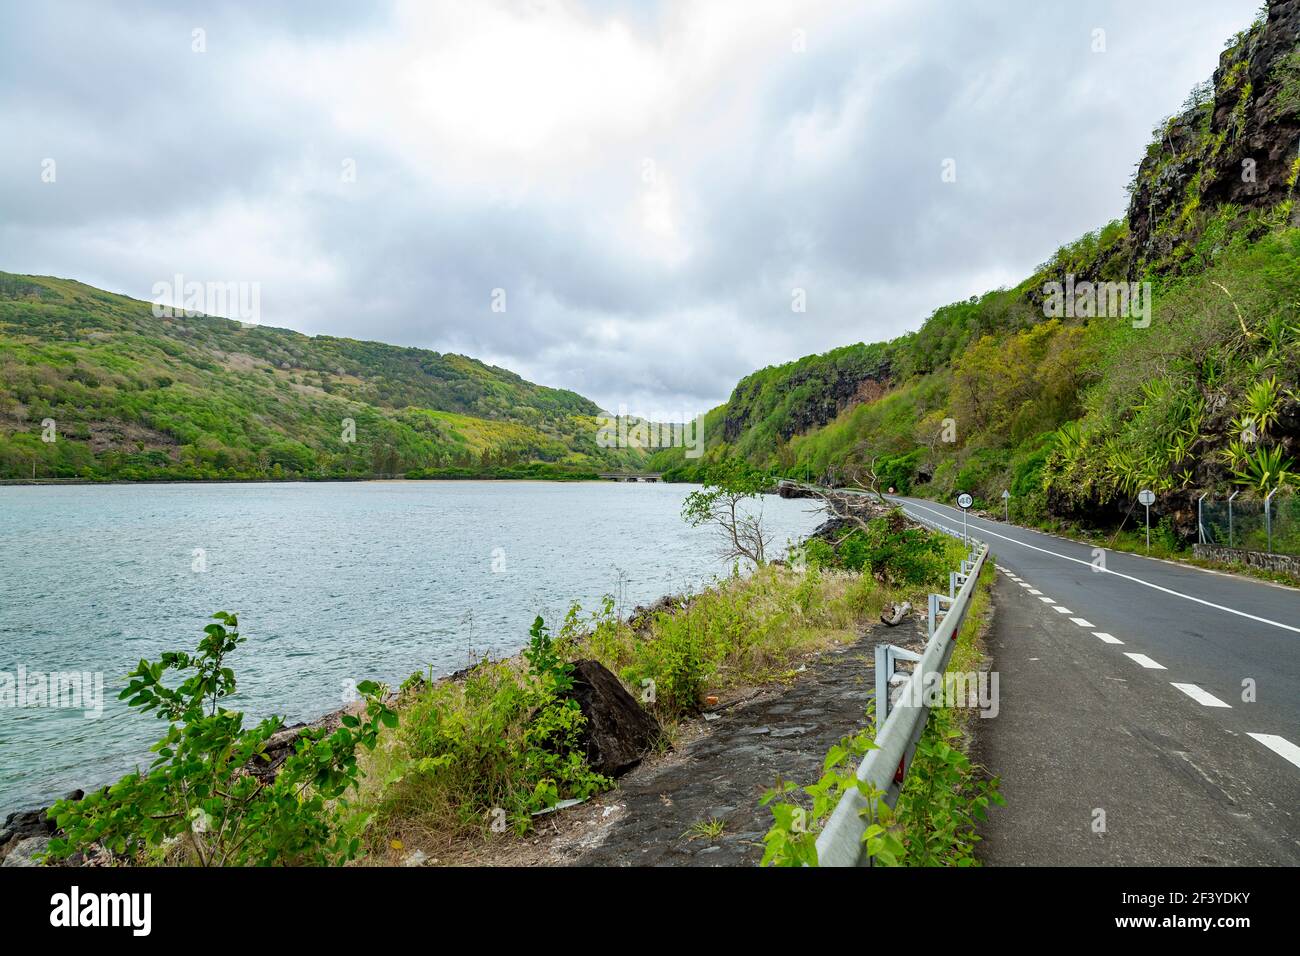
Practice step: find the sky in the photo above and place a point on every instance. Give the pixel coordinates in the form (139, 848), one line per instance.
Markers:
(642, 202)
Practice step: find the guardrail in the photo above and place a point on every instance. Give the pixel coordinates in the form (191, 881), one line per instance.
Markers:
(900, 725)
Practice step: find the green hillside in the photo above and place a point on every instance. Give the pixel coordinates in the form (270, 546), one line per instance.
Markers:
(134, 396)
(1075, 412)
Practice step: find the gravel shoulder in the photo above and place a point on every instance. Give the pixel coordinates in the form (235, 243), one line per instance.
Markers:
(718, 770)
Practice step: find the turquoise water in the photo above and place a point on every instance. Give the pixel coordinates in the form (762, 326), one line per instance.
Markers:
(333, 583)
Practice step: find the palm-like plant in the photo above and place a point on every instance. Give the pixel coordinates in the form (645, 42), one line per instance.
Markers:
(1265, 469)
(1244, 427)
(1278, 331)
(1261, 402)
(1235, 454)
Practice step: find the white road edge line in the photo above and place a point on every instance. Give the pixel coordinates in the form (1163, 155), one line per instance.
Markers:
(1108, 638)
(1118, 574)
(1280, 746)
(1082, 622)
(1200, 696)
(1145, 661)
(1062, 609)
(1046, 600)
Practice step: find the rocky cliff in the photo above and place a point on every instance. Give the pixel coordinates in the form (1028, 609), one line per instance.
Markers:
(1228, 160)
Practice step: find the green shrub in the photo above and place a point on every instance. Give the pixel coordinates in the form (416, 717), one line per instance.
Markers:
(198, 803)
(896, 554)
(498, 746)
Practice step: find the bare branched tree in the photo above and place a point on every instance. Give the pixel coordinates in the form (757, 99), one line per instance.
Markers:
(731, 501)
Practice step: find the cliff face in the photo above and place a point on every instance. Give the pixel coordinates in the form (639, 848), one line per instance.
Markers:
(791, 399)
(1228, 161)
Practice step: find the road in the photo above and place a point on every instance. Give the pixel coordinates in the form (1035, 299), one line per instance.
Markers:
(1126, 733)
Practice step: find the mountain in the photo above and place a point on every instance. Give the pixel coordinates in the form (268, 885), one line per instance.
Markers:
(1162, 350)
(136, 396)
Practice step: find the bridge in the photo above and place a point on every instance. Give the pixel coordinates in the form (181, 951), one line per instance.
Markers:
(631, 476)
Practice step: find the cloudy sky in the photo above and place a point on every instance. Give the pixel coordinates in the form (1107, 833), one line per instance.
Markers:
(649, 183)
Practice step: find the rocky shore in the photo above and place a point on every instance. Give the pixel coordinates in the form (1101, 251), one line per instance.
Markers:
(619, 732)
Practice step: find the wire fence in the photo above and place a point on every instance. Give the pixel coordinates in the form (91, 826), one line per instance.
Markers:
(1252, 524)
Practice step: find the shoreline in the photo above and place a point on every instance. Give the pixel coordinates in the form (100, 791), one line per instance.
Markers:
(301, 480)
(23, 822)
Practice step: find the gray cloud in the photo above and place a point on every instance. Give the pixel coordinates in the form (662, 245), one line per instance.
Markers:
(647, 183)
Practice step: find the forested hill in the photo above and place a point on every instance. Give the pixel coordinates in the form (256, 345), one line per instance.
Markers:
(1072, 406)
(133, 395)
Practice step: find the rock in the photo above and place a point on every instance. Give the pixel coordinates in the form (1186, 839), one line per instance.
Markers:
(618, 731)
(893, 615)
(284, 742)
(22, 826)
(415, 859)
(643, 616)
(25, 851)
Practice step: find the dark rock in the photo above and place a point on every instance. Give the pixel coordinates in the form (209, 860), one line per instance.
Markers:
(1249, 114)
(619, 731)
(643, 616)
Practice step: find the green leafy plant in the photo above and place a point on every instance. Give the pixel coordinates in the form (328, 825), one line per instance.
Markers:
(201, 800)
(500, 744)
(933, 823)
(1262, 401)
(1264, 469)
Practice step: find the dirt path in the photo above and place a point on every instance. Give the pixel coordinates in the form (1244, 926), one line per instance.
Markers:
(721, 768)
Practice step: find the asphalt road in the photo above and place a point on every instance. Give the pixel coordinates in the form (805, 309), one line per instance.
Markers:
(1124, 734)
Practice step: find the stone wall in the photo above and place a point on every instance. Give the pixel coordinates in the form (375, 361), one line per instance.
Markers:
(1286, 563)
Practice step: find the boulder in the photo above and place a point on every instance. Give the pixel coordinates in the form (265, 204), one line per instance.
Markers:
(25, 851)
(619, 731)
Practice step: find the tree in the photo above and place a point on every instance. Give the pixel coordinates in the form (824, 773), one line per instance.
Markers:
(728, 486)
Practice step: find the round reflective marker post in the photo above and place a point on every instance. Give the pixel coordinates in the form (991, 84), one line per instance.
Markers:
(964, 501)
(1147, 498)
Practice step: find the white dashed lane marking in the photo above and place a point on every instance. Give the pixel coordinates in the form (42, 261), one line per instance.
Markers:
(1145, 661)
(1200, 696)
(1280, 746)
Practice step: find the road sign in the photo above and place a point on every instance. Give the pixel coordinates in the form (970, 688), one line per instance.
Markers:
(1147, 498)
(1006, 506)
(1006, 494)
(964, 500)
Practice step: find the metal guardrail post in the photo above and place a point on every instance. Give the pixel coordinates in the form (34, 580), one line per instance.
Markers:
(882, 685)
(886, 655)
(1200, 525)
(935, 614)
(1268, 518)
(884, 768)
